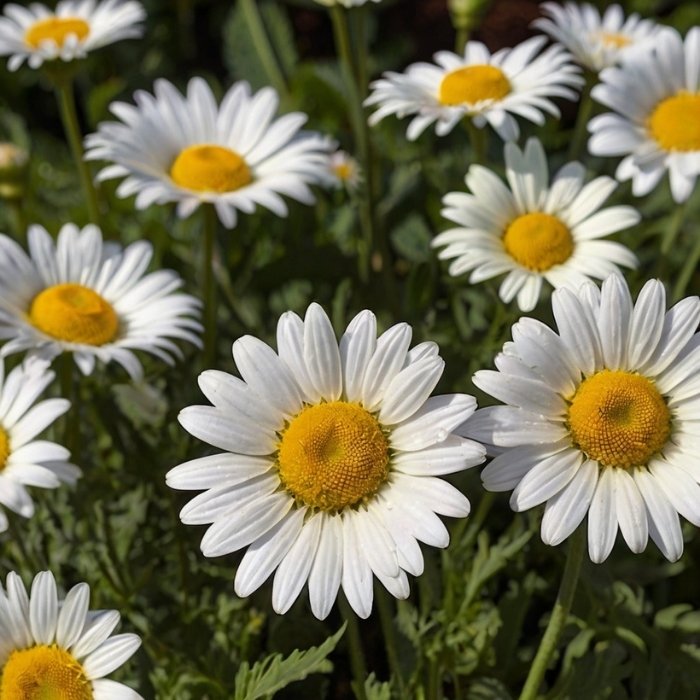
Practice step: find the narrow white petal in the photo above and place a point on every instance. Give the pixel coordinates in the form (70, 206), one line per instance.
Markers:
(321, 354)
(43, 608)
(631, 512)
(110, 655)
(71, 619)
(326, 571)
(602, 518)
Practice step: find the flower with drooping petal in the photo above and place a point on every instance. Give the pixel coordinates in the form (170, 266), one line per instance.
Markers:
(600, 417)
(332, 458)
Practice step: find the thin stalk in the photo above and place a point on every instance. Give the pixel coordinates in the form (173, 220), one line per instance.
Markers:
(357, 655)
(66, 103)
(582, 118)
(478, 140)
(461, 39)
(267, 56)
(70, 391)
(386, 617)
(557, 620)
(208, 282)
(686, 273)
(674, 228)
(18, 219)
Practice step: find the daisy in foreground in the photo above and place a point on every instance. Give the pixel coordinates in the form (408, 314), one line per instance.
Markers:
(37, 34)
(597, 42)
(51, 648)
(534, 230)
(487, 88)
(656, 124)
(186, 149)
(333, 453)
(78, 295)
(25, 461)
(601, 417)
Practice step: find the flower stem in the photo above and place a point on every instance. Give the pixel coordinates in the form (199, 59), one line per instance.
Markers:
(478, 140)
(357, 655)
(66, 103)
(560, 612)
(687, 271)
(582, 118)
(208, 282)
(18, 219)
(674, 228)
(70, 390)
(386, 617)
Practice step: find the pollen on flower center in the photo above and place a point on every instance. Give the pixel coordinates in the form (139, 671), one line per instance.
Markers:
(56, 29)
(333, 455)
(207, 168)
(614, 40)
(538, 241)
(44, 673)
(473, 84)
(675, 123)
(4, 453)
(75, 314)
(619, 419)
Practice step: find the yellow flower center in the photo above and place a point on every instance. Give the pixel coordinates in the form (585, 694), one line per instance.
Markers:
(473, 84)
(333, 455)
(343, 171)
(75, 314)
(4, 452)
(44, 673)
(613, 40)
(675, 123)
(205, 168)
(619, 419)
(538, 241)
(55, 29)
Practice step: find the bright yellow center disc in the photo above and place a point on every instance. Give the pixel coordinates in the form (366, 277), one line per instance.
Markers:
(675, 123)
(613, 40)
(206, 168)
(55, 29)
(44, 673)
(538, 241)
(75, 314)
(619, 419)
(333, 455)
(473, 84)
(4, 454)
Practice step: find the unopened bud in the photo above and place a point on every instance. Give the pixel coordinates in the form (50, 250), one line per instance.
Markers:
(467, 14)
(14, 167)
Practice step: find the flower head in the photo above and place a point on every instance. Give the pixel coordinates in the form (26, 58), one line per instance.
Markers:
(534, 230)
(344, 170)
(332, 458)
(600, 417)
(184, 148)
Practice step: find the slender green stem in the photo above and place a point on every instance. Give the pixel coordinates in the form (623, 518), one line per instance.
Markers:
(66, 103)
(478, 139)
(208, 282)
(386, 617)
(687, 271)
(557, 620)
(585, 109)
(70, 390)
(354, 640)
(267, 56)
(461, 39)
(18, 219)
(674, 228)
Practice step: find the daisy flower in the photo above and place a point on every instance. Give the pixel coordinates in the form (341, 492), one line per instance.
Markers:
(533, 230)
(332, 458)
(656, 119)
(186, 149)
(79, 295)
(488, 88)
(600, 417)
(344, 171)
(36, 34)
(25, 461)
(596, 42)
(51, 648)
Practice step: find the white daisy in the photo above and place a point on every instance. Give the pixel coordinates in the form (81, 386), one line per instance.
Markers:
(25, 461)
(533, 230)
(597, 42)
(92, 299)
(488, 88)
(51, 648)
(333, 453)
(344, 171)
(36, 34)
(601, 417)
(186, 149)
(656, 124)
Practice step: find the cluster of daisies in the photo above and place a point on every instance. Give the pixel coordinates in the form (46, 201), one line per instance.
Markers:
(331, 450)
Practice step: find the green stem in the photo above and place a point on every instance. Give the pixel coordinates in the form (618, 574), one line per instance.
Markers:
(478, 140)
(557, 620)
(582, 118)
(251, 12)
(674, 228)
(686, 273)
(208, 282)
(70, 391)
(18, 219)
(386, 617)
(354, 640)
(461, 39)
(66, 103)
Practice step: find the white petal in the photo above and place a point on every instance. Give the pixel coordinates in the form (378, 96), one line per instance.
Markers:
(110, 655)
(321, 354)
(326, 571)
(602, 518)
(43, 608)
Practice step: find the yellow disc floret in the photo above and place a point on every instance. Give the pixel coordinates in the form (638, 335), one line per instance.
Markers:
(619, 419)
(4, 454)
(333, 455)
(206, 168)
(675, 123)
(473, 84)
(44, 673)
(56, 29)
(614, 40)
(538, 241)
(75, 314)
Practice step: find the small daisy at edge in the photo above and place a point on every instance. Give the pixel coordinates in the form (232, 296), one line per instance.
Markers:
(600, 417)
(331, 464)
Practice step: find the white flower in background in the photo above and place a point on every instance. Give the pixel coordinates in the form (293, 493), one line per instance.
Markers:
(656, 119)
(596, 41)
(51, 648)
(186, 149)
(534, 230)
(344, 170)
(331, 463)
(487, 88)
(37, 34)
(600, 418)
(82, 296)
(25, 461)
